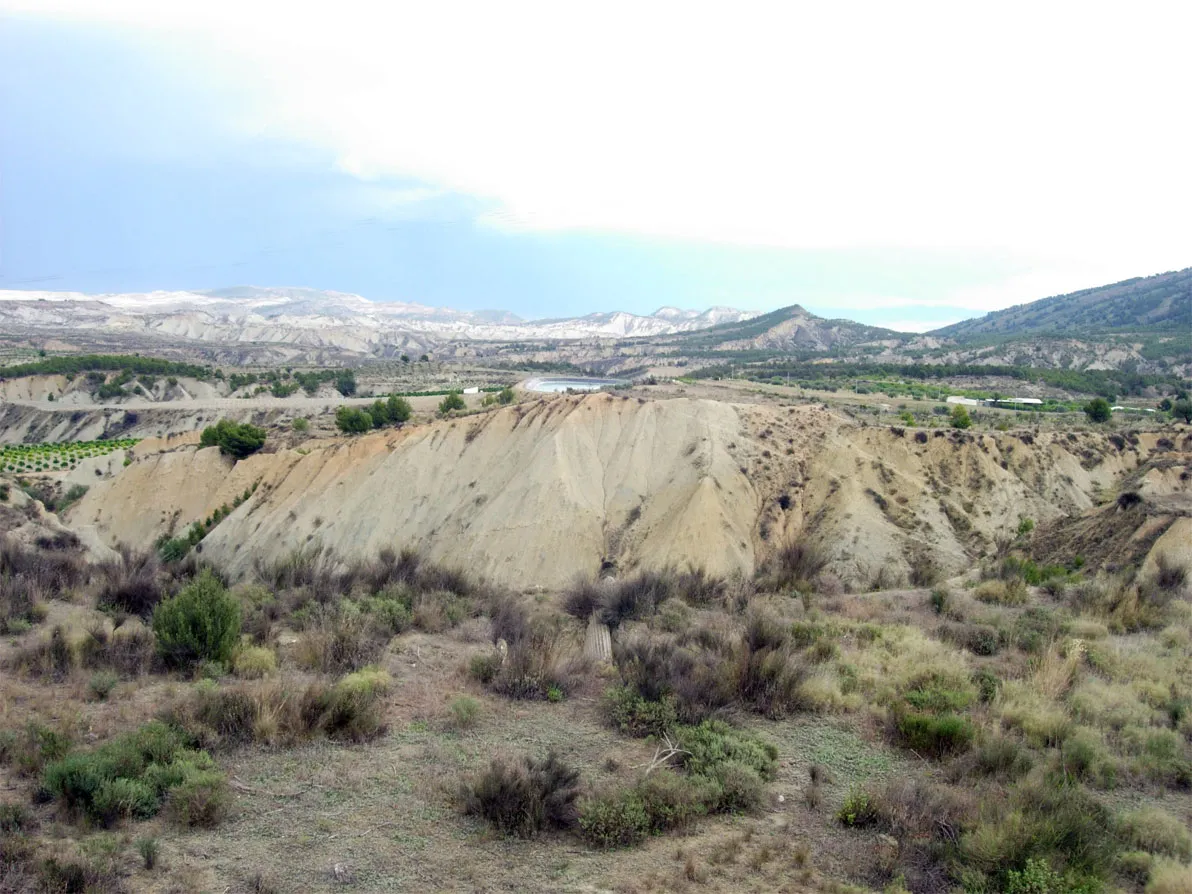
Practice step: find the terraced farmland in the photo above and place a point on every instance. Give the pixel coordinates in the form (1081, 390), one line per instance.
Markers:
(55, 457)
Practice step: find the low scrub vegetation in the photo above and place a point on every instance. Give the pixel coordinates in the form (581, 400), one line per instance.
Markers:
(284, 712)
(174, 549)
(525, 797)
(994, 736)
(30, 576)
(135, 775)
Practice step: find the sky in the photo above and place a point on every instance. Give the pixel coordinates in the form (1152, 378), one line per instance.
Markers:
(906, 165)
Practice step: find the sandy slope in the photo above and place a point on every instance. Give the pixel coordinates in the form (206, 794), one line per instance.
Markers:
(528, 495)
(534, 494)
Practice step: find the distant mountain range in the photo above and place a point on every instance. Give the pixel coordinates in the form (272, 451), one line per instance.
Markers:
(315, 318)
(787, 329)
(1143, 324)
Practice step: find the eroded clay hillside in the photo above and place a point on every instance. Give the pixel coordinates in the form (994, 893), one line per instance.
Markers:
(536, 494)
(530, 495)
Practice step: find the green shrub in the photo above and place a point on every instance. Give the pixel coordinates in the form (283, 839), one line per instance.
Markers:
(1064, 824)
(353, 708)
(254, 662)
(1164, 757)
(939, 693)
(636, 716)
(124, 797)
(398, 410)
(988, 684)
(129, 776)
(937, 735)
(807, 633)
(391, 609)
(484, 667)
(525, 797)
(150, 851)
(1098, 410)
(1037, 877)
(353, 421)
(201, 623)
(1001, 755)
(930, 733)
(714, 743)
(14, 818)
(732, 765)
(173, 549)
(200, 800)
(616, 819)
(1035, 628)
(390, 413)
(672, 801)
(101, 684)
(31, 748)
(234, 439)
(451, 402)
(1083, 757)
(738, 788)
(1135, 865)
(859, 809)
(464, 711)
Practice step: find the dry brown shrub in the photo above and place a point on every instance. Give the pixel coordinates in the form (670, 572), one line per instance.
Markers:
(339, 642)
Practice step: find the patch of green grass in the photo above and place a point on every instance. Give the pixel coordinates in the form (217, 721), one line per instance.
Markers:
(845, 753)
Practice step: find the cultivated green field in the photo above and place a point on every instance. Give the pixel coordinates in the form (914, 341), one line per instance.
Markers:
(56, 457)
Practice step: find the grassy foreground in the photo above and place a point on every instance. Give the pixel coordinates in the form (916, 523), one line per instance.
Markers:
(396, 725)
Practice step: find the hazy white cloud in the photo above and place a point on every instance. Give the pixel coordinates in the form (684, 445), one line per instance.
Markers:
(1056, 278)
(1052, 132)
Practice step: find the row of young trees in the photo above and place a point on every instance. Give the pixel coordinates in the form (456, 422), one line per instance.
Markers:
(396, 410)
(239, 440)
(355, 420)
(1098, 410)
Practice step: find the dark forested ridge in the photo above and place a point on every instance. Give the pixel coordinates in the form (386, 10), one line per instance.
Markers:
(1152, 303)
